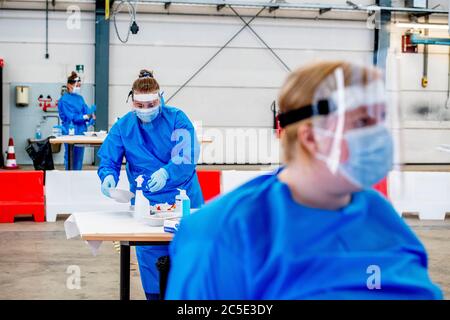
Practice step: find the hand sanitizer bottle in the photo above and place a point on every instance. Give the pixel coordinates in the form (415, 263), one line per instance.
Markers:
(142, 205)
(38, 134)
(183, 203)
(71, 129)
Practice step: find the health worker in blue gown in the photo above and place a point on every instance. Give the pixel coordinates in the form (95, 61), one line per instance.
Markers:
(76, 114)
(160, 143)
(314, 228)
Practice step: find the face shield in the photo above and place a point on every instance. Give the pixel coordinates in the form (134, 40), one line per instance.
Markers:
(75, 85)
(348, 116)
(146, 101)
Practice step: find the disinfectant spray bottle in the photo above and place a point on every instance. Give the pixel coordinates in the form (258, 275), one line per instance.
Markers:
(142, 205)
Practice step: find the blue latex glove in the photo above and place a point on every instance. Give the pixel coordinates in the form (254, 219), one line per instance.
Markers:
(108, 183)
(158, 180)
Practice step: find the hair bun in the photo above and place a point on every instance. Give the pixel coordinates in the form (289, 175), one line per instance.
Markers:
(145, 73)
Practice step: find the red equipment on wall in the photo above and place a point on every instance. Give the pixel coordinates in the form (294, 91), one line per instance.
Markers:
(407, 46)
(46, 103)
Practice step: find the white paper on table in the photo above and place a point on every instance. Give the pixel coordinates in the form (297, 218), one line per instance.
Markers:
(72, 231)
(70, 226)
(94, 246)
(94, 223)
(122, 196)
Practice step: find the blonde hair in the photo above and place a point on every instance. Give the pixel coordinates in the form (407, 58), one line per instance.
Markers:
(298, 91)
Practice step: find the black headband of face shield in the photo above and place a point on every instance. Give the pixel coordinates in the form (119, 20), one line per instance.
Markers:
(129, 95)
(290, 117)
(74, 81)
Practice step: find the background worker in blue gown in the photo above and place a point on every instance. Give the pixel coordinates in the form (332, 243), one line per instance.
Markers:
(73, 110)
(160, 143)
(313, 229)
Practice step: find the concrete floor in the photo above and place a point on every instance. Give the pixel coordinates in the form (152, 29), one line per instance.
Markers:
(35, 258)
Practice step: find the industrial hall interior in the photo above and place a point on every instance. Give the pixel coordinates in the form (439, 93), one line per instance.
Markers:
(225, 150)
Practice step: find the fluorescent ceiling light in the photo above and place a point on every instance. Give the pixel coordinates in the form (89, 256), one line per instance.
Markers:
(421, 25)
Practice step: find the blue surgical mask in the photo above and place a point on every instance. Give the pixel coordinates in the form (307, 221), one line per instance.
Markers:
(147, 115)
(370, 155)
(76, 90)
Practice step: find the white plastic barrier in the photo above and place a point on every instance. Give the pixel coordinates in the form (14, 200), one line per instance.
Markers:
(78, 191)
(425, 193)
(232, 179)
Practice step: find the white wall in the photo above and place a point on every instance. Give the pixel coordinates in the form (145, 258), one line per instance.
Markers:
(425, 112)
(238, 86)
(22, 46)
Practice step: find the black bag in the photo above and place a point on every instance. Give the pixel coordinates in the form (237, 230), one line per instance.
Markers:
(163, 266)
(41, 154)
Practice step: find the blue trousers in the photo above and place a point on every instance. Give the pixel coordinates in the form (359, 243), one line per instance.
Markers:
(147, 257)
(78, 154)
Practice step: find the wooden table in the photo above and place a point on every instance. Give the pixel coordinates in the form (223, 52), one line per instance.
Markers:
(116, 226)
(79, 140)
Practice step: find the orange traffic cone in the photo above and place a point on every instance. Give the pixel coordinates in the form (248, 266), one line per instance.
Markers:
(11, 157)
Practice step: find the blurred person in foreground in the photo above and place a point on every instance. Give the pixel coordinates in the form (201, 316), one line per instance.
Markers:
(314, 228)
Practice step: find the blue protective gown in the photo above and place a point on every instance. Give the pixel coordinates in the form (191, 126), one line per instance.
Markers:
(72, 108)
(258, 243)
(148, 147)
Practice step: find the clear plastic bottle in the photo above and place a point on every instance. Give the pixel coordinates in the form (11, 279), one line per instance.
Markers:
(71, 129)
(90, 128)
(141, 205)
(56, 131)
(38, 133)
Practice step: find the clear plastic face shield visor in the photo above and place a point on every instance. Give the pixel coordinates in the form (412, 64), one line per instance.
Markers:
(147, 101)
(349, 117)
(75, 82)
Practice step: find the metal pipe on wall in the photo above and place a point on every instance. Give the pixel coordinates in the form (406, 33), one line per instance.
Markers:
(425, 56)
(256, 4)
(284, 5)
(46, 30)
(447, 103)
(101, 67)
(382, 35)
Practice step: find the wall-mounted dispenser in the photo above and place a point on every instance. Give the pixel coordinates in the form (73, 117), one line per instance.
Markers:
(22, 96)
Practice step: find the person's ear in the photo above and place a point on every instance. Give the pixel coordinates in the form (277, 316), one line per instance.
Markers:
(306, 139)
